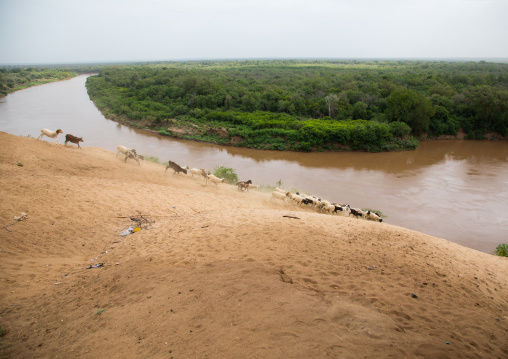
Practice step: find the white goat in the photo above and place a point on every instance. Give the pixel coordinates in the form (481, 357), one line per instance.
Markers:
(297, 198)
(323, 204)
(282, 196)
(199, 172)
(373, 216)
(51, 134)
(123, 150)
(215, 179)
(330, 208)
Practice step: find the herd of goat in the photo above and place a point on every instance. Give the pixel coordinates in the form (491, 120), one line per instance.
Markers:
(317, 204)
(324, 206)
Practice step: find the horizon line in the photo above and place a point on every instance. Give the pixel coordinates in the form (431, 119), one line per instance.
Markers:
(430, 59)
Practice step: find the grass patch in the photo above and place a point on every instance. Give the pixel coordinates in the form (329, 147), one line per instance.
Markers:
(270, 188)
(152, 159)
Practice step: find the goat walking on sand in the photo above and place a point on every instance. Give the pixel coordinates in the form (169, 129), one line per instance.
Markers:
(51, 134)
(175, 167)
(214, 179)
(194, 171)
(73, 139)
(282, 196)
(132, 154)
(123, 150)
(243, 185)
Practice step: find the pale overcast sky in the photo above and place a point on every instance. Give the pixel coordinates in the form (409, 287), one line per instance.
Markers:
(69, 31)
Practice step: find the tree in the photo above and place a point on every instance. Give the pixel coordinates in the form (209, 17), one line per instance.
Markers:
(490, 105)
(410, 107)
(332, 101)
(360, 111)
(228, 102)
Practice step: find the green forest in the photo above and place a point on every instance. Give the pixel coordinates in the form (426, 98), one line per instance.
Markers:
(307, 105)
(18, 78)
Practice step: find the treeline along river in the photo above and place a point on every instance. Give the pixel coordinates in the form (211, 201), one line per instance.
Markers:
(456, 190)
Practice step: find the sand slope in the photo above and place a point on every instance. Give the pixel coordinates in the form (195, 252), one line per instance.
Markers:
(221, 273)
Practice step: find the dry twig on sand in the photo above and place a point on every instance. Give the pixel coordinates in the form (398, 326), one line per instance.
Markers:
(16, 220)
(142, 221)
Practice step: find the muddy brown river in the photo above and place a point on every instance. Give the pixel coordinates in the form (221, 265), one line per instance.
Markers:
(456, 190)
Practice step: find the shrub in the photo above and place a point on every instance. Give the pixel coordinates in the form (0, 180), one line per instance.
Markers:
(399, 129)
(409, 143)
(226, 173)
(165, 132)
(502, 250)
(305, 146)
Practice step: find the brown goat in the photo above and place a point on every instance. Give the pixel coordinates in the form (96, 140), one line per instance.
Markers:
(175, 167)
(73, 139)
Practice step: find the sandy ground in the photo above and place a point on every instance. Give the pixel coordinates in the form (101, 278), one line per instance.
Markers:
(221, 273)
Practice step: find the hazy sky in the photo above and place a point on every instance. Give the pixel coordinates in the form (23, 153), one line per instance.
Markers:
(70, 31)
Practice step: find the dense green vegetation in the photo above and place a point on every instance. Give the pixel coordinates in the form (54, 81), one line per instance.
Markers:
(229, 174)
(502, 250)
(17, 78)
(307, 105)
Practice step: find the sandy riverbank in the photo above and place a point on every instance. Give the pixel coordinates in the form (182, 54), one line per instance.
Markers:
(205, 279)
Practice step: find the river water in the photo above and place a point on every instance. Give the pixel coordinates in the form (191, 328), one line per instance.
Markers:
(456, 190)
